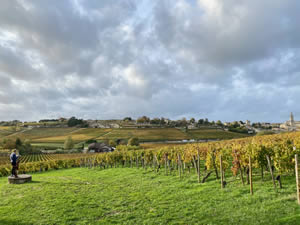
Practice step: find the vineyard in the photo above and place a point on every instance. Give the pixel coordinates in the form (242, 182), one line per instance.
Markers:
(242, 158)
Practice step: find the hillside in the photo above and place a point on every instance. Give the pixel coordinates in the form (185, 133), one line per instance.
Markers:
(51, 136)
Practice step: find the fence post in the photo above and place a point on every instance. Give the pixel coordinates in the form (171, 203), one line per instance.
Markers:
(221, 172)
(271, 171)
(297, 178)
(250, 174)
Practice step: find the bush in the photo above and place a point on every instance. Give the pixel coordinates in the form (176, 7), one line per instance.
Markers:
(112, 143)
(134, 141)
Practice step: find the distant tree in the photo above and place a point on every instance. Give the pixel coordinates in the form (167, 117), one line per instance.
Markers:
(143, 119)
(192, 120)
(162, 121)
(127, 119)
(112, 143)
(73, 121)
(69, 144)
(219, 123)
(212, 123)
(155, 121)
(134, 141)
(18, 143)
(235, 124)
(200, 121)
(206, 122)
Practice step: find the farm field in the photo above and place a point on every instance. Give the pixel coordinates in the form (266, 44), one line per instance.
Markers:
(37, 133)
(79, 135)
(93, 196)
(57, 136)
(214, 134)
(147, 134)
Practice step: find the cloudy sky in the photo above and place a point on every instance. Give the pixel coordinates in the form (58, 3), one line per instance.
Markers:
(216, 59)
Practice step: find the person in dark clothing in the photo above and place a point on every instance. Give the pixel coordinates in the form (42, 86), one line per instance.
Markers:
(13, 159)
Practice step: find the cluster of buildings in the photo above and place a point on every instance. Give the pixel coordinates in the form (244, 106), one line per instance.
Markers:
(291, 124)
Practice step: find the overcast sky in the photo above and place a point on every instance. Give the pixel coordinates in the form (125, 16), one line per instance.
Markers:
(216, 59)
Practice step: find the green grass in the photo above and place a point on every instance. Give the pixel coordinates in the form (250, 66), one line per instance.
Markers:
(133, 196)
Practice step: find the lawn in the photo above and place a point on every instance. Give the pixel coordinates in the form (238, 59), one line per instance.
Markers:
(133, 196)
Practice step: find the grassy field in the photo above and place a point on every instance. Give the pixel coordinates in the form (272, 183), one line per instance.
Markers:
(133, 196)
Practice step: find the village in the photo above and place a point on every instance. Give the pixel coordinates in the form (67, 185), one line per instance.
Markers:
(146, 122)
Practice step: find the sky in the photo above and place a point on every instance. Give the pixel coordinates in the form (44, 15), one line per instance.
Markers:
(218, 59)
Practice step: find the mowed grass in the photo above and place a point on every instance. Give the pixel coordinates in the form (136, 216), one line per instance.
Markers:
(133, 196)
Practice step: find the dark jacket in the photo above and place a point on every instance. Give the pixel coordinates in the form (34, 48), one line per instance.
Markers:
(13, 158)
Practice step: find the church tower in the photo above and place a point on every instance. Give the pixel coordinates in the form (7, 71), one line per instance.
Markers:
(292, 122)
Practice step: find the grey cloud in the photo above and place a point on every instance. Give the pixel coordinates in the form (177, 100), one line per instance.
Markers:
(158, 58)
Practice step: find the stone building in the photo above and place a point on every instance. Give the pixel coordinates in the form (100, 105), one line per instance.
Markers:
(291, 124)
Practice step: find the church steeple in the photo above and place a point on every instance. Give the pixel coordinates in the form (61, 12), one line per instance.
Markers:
(292, 122)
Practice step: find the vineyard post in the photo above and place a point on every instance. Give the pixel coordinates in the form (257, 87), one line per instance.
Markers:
(154, 163)
(250, 174)
(198, 165)
(271, 171)
(166, 159)
(241, 173)
(221, 172)
(179, 165)
(297, 178)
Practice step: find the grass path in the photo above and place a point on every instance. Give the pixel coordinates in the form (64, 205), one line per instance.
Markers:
(133, 196)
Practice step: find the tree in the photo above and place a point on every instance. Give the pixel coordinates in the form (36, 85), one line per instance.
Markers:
(18, 143)
(69, 144)
(200, 121)
(143, 119)
(112, 143)
(219, 123)
(126, 119)
(155, 121)
(206, 122)
(192, 120)
(72, 122)
(134, 141)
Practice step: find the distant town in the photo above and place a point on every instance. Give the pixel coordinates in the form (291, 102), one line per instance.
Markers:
(146, 122)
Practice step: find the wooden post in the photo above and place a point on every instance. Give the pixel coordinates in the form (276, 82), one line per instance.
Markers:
(179, 165)
(241, 173)
(250, 175)
(297, 178)
(198, 166)
(221, 172)
(271, 171)
(214, 164)
(166, 164)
